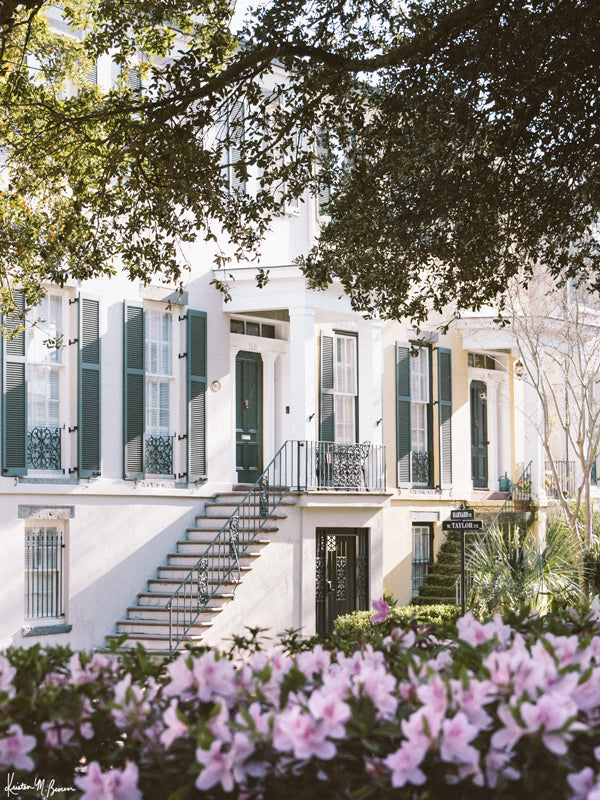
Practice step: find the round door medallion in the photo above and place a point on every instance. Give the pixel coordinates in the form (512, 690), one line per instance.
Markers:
(216, 386)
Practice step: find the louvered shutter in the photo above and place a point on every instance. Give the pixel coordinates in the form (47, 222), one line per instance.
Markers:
(445, 415)
(403, 442)
(236, 132)
(196, 395)
(133, 391)
(327, 420)
(88, 390)
(14, 397)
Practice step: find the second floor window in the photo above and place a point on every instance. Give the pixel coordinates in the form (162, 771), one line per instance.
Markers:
(158, 330)
(339, 389)
(44, 350)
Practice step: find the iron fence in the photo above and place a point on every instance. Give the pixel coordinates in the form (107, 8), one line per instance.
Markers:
(44, 572)
(565, 478)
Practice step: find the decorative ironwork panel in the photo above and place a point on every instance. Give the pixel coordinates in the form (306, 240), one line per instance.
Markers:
(202, 581)
(320, 580)
(420, 467)
(331, 543)
(348, 464)
(362, 576)
(263, 500)
(341, 563)
(158, 456)
(43, 448)
(234, 538)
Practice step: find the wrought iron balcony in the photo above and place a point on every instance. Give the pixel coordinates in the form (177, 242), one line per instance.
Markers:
(158, 455)
(356, 467)
(43, 448)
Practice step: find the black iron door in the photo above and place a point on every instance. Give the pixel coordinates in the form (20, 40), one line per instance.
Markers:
(249, 401)
(479, 435)
(342, 574)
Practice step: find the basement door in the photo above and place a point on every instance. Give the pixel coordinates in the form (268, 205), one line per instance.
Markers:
(248, 416)
(342, 574)
(479, 435)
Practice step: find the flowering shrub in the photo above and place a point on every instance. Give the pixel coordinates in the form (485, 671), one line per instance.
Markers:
(508, 708)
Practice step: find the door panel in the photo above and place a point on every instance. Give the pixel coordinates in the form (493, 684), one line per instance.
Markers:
(249, 402)
(341, 574)
(479, 435)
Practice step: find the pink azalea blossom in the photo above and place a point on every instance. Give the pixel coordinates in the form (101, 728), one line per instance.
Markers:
(497, 762)
(58, 734)
(175, 728)
(259, 722)
(115, 784)
(505, 738)
(582, 783)
(331, 712)
(296, 731)
(549, 716)
(14, 749)
(422, 727)
(404, 765)
(213, 677)
(313, 661)
(181, 678)
(456, 735)
(434, 695)
(227, 767)
(382, 610)
(472, 631)
(133, 706)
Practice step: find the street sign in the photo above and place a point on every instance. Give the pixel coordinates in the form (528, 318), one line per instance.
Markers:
(462, 513)
(462, 525)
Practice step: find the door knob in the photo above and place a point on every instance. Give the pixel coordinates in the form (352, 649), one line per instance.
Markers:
(246, 404)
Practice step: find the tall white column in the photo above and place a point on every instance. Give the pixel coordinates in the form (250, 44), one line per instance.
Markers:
(269, 409)
(370, 381)
(304, 413)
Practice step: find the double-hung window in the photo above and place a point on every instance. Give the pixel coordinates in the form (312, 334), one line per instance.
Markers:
(44, 353)
(415, 416)
(339, 388)
(422, 555)
(159, 370)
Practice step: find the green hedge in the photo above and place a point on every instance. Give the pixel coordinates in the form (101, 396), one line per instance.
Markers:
(359, 623)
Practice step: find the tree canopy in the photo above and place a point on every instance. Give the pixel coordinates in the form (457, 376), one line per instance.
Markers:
(459, 139)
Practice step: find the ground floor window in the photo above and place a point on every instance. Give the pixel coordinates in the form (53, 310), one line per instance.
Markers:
(44, 571)
(422, 554)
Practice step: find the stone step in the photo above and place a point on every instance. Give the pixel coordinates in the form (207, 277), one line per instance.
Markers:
(188, 560)
(160, 598)
(160, 627)
(171, 584)
(198, 545)
(154, 643)
(149, 612)
(207, 535)
(178, 573)
(217, 522)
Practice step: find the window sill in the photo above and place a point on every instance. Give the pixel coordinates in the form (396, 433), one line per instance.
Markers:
(53, 480)
(44, 630)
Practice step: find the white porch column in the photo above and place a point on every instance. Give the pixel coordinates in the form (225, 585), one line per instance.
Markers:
(534, 447)
(304, 414)
(370, 381)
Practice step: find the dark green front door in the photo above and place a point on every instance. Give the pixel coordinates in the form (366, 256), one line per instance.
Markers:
(479, 435)
(248, 416)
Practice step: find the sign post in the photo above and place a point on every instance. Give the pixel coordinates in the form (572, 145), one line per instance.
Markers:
(462, 519)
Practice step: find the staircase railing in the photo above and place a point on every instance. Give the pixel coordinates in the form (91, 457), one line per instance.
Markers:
(512, 510)
(297, 466)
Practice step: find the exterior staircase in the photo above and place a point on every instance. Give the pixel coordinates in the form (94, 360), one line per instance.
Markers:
(147, 621)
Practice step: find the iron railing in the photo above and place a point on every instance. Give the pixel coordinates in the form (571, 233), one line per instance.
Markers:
(158, 454)
(511, 513)
(44, 571)
(297, 466)
(565, 472)
(43, 448)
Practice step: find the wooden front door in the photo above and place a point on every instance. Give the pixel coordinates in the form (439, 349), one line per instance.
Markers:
(479, 435)
(249, 413)
(342, 574)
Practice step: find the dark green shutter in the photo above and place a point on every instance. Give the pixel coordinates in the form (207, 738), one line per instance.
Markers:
(133, 391)
(88, 390)
(403, 422)
(445, 415)
(327, 418)
(196, 395)
(14, 397)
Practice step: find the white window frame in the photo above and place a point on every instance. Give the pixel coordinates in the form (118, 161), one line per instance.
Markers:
(420, 400)
(163, 375)
(345, 387)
